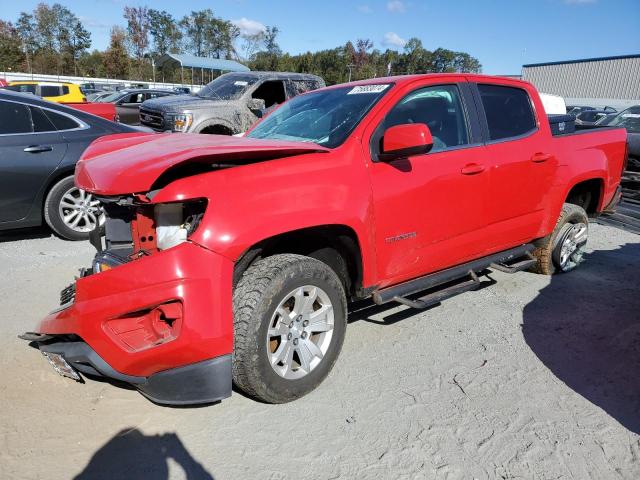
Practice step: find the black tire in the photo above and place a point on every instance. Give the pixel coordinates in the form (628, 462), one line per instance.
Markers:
(548, 249)
(52, 211)
(259, 292)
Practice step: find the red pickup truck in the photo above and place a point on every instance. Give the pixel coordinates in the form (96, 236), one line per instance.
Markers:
(234, 259)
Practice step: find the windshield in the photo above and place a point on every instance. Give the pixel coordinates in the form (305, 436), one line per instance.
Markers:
(629, 119)
(228, 87)
(24, 88)
(325, 117)
(112, 97)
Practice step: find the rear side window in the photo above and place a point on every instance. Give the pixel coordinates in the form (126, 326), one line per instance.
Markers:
(302, 86)
(40, 121)
(14, 118)
(508, 111)
(62, 122)
(50, 91)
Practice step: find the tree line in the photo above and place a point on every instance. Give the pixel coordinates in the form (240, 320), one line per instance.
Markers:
(53, 40)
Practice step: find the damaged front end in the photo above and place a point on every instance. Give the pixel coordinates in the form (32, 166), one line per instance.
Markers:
(149, 311)
(135, 227)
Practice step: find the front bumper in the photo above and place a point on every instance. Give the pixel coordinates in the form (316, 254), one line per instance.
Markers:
(105, 303)
(202, 382)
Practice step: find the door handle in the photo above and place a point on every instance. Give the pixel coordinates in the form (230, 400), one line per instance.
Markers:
(472, 169)
(38, 148)
(540, 157)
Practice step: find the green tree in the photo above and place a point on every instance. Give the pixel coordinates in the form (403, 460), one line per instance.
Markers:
(195, 27)
(116, 58)
(165, 32)
(137, 33)
(11, 56)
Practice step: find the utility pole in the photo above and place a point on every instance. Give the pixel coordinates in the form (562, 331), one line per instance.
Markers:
(350, 66)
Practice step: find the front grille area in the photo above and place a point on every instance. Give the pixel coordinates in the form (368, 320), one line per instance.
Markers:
(68, 295)
(151, 119)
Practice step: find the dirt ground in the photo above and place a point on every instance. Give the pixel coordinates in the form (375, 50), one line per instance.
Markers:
(531, 377)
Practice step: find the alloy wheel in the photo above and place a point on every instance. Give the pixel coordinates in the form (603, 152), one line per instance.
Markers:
(300, 332)
(80, 211)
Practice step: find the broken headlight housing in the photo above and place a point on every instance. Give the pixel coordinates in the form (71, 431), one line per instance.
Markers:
(175, 222)
(181, 122)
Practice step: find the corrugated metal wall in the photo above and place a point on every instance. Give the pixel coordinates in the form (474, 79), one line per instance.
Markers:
(607, 78)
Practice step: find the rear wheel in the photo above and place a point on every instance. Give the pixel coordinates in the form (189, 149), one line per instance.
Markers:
(71, 212)
(563, 250)
(289, 325)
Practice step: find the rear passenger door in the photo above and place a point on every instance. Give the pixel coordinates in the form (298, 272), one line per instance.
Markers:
(30, 149)
(520, 164)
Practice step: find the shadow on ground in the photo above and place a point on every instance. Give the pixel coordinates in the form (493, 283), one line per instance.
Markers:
(24, 234)
(131, 454)
(585, 327)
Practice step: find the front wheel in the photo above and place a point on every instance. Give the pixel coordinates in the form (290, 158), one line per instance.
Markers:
(290, 317)
(563, 250)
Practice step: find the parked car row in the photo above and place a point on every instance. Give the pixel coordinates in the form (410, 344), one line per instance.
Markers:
(228, 105)
(45, 128)
(630, 120)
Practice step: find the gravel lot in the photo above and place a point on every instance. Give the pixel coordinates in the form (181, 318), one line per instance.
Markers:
(532, 377)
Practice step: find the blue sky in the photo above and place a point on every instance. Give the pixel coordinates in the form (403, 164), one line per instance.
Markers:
(502, 34)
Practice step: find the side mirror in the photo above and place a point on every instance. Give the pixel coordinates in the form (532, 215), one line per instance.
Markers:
(401, 141)
(257, 106)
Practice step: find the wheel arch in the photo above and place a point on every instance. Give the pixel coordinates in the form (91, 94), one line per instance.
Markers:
(216, 123)
(587, 193)
(57, 176)
(336, 245)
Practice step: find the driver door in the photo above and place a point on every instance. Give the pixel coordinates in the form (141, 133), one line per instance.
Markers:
(129, 107)
(430, 209)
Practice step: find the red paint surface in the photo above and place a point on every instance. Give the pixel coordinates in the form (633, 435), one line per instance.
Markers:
(104, 110)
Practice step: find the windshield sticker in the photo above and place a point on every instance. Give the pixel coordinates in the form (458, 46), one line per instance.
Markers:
(367, 89)
(241, 83)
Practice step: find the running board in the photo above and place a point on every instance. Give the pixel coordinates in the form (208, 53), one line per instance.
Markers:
(440, 295)
(515, 267)
(398, 293)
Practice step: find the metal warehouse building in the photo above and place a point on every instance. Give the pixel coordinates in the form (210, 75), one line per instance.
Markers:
(613, 81)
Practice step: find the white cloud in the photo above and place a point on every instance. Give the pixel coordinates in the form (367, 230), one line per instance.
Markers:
(392, 39)
(579, 2)
(396, 6)
(365, 9)
(93, 23)
(249, 27)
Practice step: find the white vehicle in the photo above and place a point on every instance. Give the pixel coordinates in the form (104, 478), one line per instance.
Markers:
(553, 104)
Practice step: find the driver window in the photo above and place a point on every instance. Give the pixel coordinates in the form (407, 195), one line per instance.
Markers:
(272, 92)
(135, 98)
(438, 107)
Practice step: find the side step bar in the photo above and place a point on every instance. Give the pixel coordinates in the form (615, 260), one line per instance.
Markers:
(440, 295)
(515, 267)
(500, 261)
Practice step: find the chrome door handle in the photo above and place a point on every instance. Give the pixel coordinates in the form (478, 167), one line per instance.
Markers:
(38, 148)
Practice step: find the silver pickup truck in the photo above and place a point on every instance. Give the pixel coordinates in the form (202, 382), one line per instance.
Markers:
(230, 104)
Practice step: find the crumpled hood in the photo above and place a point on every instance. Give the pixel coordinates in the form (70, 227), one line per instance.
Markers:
(131, 162)
(179, 103)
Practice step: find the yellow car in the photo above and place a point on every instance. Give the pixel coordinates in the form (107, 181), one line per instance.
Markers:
(54, 92)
